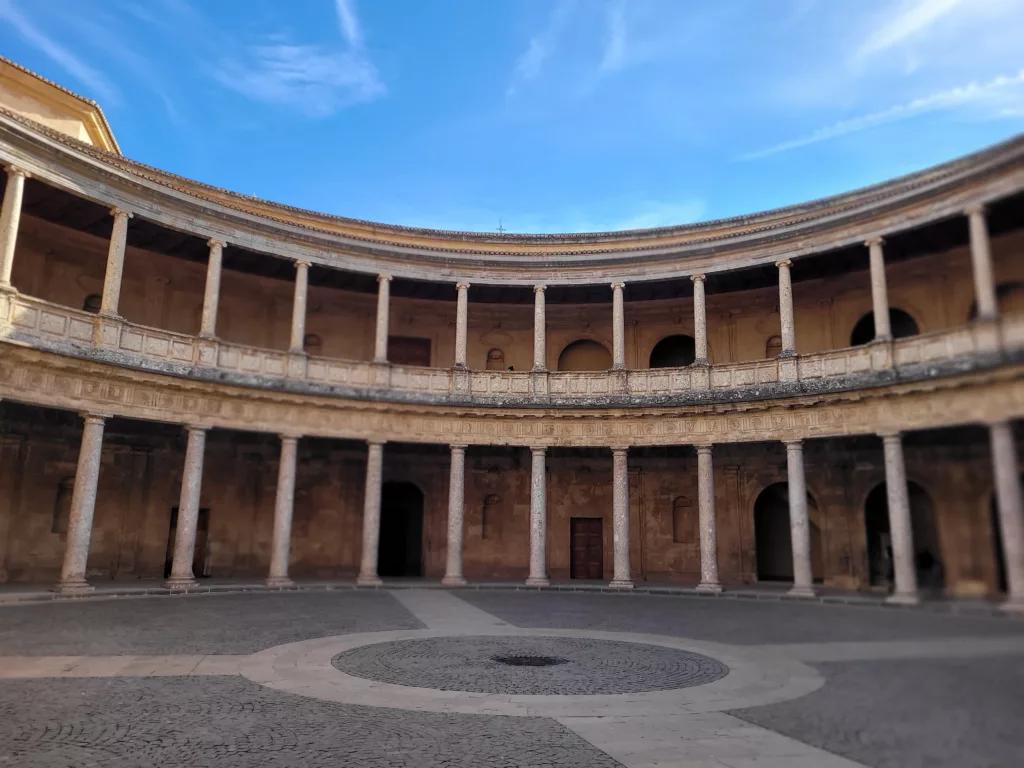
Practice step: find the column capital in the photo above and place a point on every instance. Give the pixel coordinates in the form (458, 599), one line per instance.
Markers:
(376, 443)
(538, 450)
(293, 436)
(698, 278)
(539, 288)
(703, 448)
(15, 170)
(463, 286)
(382, 278)
(975, 209)
(876, 240)
(115, 212)
(891, 435)
(197, 428)
(303, 264)
(214, 243)
(94, 418)
(458, 447)
(783, 263)
(618, 285)
(792, 445)
(619, 449)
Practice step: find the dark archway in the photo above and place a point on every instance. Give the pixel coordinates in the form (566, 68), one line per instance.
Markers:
(927, 552)
(773, 542)
(674, 352)
(900, 322)
(400, 551)
(585, 355)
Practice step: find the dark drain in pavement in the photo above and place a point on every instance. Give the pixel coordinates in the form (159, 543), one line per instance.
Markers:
(521, 660)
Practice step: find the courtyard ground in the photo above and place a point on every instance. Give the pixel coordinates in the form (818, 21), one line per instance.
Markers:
(412, 678)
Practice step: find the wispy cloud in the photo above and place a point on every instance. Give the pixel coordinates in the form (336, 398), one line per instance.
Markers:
(615, 47)
(100, 86)
(348, 22)
(914, 17)
(1002, 96)
(540, 47)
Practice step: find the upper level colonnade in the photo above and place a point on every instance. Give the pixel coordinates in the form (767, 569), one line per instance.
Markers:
(922, 213)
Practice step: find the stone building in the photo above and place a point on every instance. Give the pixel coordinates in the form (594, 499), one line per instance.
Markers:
(197, 383)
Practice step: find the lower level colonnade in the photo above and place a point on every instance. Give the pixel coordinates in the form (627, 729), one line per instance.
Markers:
(904, 566)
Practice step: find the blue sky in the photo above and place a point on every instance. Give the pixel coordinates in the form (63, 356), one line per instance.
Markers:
(546, 115)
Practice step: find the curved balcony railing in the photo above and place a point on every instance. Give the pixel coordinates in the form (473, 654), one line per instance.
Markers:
(38, 324)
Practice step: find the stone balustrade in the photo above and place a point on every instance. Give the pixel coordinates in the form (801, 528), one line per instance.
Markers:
(42, 325)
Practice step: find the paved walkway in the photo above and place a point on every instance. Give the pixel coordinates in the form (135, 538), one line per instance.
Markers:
(418, 677)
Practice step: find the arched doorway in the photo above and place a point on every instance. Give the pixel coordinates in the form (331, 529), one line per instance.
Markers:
(900, 323)
(674, 352)
(927, 553)
(400, 551)
(773, 541)
(585, 355)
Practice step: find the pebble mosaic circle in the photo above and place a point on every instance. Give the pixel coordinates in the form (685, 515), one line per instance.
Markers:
(588, 667)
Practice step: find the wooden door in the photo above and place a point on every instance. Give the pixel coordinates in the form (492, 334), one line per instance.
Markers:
(587, 543)
(407, 350)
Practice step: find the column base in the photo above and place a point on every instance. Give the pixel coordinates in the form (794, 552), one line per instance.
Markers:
(369, 581)
(1014, 605)
(708, 588)
(453, 581)
(538, 582)
(280, 581)
(802, 592)
(620, 584)
(78, 587)
(8, 288)
(898, 598)
(180, 583)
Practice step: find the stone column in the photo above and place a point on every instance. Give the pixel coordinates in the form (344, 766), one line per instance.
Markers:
(115, 263)
(284, 502)
(981, 261)
(208, 326)
(10, 216)
(368, 576)
(618, 328)
(620, 519)
(456, 513)
(709, 582)
(879, 292)
(700, 322)
(786, 308)
(538, 520)
(188, 512)
(1011, 518)
(461, 324)
(900, 529)
(799, 525)
(299, 306)
(83, 503)
(380, 345)
(540, 351)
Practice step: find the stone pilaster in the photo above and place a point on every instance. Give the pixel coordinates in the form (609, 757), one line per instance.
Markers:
(461, 324)
(538, 520)
(900, 529)
(368, 576)
(115, 263)
(709, 582)
(10, 216)
(879, 291)
(188, 512)
(284, 503)
(456, 513)
(299, 307)
(540, 354)
(786, 308)
(700, 322)
(981, 263)
(211, 297)
(380, 341)
(799, 524)
(620, 519)
(1011, 518)
(83, 504)
(618, 328)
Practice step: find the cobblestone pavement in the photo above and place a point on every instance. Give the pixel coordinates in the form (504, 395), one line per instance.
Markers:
(196, 624)
(588, 667)
(912, 713)
(229, 723)
(739, 622)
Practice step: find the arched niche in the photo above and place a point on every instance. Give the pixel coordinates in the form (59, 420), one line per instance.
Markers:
(924, 529)
(773, 540)
(495, 359)
(585, 355)
(673, 352)
(900, 322)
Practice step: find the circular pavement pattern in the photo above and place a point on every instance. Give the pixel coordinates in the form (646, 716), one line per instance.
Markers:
(588, 666)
